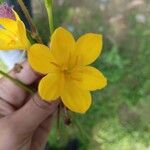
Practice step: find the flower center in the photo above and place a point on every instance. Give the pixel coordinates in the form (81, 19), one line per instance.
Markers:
(67, 71)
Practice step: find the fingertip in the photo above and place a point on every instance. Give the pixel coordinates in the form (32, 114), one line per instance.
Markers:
(33, 113)
(26, 74)
(12, 93)
(44, 104)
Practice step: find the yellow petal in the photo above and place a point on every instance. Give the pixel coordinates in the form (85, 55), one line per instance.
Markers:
(39, 57)
(22, 35)
(62, 45)
(9, 40)
(88, 47)
(76, 99)
(5, 35)
(90, 78)
(13, 35)
(50, 86)
(5, 40)
(9, 24)
(21, 30)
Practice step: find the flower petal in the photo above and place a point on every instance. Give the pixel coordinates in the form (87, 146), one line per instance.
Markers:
(4, 41)
(62, 45)
(50, 86)
(88, 47)
(9, 41)
(13, 35)
(9, 24)
(39, 57)
(76, 99)
(90, 78)
(4, 35)
(22, 35)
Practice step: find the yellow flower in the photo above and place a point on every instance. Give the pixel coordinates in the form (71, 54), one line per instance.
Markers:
(12, 31)
(66, 65)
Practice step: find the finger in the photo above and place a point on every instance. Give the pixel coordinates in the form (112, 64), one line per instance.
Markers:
(39, 138)
(5, 108)
(11, 92)
(32, 114)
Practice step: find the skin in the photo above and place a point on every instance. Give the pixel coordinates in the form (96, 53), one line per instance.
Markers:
(25, 120)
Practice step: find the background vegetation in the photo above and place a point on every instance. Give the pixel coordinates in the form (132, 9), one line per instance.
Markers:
(119, 116)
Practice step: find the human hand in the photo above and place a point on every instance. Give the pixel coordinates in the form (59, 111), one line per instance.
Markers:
(24, 119)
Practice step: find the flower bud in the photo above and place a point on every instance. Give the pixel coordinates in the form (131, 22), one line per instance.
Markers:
(7, 11)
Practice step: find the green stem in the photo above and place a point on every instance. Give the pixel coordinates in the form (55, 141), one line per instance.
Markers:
(77, 124)
(34, 31)
(49, 8)
(17, 82)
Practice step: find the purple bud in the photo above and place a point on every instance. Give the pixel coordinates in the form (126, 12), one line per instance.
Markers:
(7, 11)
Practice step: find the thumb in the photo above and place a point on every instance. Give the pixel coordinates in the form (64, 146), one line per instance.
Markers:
(33, 113)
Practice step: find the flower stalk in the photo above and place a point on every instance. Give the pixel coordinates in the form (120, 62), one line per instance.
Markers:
(34, 31)
(17, 82)
(79, 127)
(49, 8)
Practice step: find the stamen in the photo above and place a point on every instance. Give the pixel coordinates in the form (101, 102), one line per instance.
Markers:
(53, 63)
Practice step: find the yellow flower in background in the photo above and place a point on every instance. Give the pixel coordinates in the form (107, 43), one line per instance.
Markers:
(65, 64)
(12, 30)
